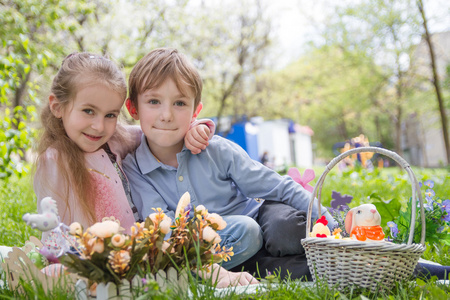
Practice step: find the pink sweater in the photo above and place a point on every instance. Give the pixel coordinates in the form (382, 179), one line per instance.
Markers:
(110, 198)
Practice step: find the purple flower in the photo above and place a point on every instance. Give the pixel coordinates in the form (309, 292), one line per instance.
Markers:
(188, 208)
(339, 200)
(393, 227)
(429, 194)
(428, 205)
(446, 208)
(429, 183)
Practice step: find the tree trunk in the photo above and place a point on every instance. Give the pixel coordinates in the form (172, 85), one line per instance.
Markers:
(436, 82)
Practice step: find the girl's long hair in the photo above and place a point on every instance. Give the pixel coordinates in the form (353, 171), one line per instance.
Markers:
(77, 71)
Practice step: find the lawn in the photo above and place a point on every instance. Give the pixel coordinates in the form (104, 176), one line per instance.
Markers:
(391, 184)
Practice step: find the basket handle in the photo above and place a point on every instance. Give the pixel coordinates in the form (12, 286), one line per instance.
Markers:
(414, 183)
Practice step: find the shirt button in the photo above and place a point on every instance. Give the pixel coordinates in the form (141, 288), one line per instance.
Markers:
(180, 178)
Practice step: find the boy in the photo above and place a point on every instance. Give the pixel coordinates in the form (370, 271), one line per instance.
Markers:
(165, 95)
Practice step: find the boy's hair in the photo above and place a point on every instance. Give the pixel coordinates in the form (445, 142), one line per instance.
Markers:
(158, 65)
(78, 70)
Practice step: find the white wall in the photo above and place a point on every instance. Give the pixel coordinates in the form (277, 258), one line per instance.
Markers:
(273, 137)
(303, 153)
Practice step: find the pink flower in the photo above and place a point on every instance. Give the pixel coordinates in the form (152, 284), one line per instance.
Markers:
(308, 176)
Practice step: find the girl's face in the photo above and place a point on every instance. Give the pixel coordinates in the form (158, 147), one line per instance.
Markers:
(90, 119)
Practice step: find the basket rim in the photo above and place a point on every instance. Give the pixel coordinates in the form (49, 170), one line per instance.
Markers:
(366, 245)
(316, 194)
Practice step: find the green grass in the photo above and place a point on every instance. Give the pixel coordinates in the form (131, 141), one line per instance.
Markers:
(17, 198)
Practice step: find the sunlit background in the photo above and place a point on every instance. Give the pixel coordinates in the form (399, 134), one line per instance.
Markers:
(294, 78)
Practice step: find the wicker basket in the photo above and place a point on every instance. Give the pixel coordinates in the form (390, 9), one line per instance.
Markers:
(373, 265)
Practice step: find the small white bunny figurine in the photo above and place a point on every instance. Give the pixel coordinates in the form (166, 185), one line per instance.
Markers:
(363, 222)
(47, 219)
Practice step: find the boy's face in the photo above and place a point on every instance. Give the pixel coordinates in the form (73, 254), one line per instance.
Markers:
(165, 116)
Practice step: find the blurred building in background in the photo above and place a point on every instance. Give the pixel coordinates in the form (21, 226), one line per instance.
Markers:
(277, 143)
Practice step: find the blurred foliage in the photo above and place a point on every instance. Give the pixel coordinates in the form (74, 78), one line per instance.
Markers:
(15, 138)
(359, 75)
(31, 32)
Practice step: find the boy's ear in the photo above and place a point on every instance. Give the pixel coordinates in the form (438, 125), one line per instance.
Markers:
(55, 106)
(131, 109)
(198, 110)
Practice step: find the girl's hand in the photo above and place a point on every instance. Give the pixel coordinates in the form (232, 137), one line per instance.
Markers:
(196, 138)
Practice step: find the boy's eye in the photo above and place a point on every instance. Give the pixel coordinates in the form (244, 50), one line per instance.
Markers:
(88, 111)
(180, 103)
(111, 116)
(153, 101)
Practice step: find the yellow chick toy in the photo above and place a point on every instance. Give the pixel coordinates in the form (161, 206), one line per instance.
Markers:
(320, 229)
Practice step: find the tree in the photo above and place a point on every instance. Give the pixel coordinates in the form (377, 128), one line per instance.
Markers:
(25, 27)
(436, 81)
(230, 54)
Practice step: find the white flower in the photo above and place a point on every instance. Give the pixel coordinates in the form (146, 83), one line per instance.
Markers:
(210, 235)
(75, 228)
(164, 246)
(118, 240)
(216, 219)
(200, 208)
(104, 229)
(152, 217)
(165, 225)
(97, 245)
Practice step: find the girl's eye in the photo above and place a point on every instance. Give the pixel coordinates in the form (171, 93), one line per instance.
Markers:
(111, 116)
(88, 111)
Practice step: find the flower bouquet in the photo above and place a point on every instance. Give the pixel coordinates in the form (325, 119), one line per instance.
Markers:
(106, 254)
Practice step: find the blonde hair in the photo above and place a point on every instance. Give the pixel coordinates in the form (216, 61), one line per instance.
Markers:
(158, 65)
(77, 71)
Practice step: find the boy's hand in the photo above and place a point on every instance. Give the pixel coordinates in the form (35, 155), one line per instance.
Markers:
(226, 278)
(196, 138)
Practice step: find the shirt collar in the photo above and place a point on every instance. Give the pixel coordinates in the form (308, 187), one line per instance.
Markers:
(145, 159)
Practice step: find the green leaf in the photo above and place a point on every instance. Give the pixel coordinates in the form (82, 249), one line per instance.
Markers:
(420, 282)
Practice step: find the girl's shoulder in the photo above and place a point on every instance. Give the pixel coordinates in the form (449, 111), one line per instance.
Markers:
(49, 154)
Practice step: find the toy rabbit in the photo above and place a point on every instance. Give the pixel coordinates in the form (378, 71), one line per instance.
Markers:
(45, 221)
(363, 223)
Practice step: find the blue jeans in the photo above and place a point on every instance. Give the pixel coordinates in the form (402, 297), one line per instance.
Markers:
(244, 235)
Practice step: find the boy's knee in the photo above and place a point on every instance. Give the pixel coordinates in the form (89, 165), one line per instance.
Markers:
(247, 230)
(244, 235)
(283, 228)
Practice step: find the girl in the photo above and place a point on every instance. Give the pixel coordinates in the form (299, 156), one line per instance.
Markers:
(80, 151)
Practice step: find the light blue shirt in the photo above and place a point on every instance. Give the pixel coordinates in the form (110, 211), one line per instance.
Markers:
(222, 177)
